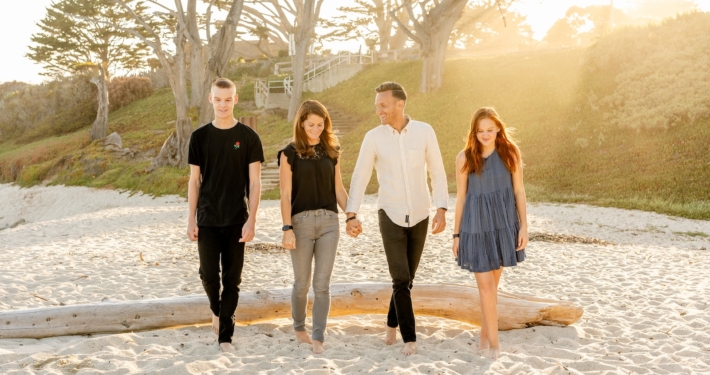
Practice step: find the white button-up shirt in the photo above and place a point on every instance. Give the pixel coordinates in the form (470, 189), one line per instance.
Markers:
(401, 160)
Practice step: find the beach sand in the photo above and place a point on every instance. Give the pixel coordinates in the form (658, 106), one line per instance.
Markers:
(645, 297)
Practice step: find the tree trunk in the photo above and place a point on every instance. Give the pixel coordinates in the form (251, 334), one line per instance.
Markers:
(197, 74)
(449, 301)
(299, 62)
(197, 61)
(221, 46)
(433, 57)
(175, 149)
(98, 128)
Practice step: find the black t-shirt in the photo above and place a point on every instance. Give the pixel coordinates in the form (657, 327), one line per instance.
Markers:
(312, 181)
(223, 156)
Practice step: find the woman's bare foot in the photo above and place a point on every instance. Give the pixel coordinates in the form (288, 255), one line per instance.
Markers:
(390, 335)
(215, 324)
(409, 348)
(318, 347)
(227, 347)
(494, 353)
(302, 337)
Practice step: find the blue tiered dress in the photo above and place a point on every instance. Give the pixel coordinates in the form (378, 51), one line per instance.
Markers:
(490, 224)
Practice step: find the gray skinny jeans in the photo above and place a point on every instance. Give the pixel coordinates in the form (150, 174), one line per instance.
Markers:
(317, 233)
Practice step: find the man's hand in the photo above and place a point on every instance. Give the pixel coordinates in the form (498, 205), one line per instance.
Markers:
(192, 230)
(439, 223)
(353, 227)
(289, 240)
(248, 231)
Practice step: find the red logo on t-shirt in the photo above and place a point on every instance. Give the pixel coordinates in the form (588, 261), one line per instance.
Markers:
(236, 145)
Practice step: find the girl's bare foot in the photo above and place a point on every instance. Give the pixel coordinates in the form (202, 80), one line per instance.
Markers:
(318, 347)
(483, 344)
(494, 353)
(215, 324)
(302, 337)
(227, 347)
(390, 335)
(409, 348)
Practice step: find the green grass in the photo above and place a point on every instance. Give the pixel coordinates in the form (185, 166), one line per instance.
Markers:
(571, 153)
(693, 234)
(542, 95)
(144, 125)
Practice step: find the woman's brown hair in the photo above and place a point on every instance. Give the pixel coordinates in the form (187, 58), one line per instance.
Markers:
(505, 144)
(328, 140)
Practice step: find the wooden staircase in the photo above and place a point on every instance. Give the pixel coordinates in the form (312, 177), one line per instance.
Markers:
(343, 122)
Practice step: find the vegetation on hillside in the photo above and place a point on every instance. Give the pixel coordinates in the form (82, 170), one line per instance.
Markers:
(568, 108)
(559, 102)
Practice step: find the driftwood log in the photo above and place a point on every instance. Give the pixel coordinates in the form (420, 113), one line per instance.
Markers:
(455, 302)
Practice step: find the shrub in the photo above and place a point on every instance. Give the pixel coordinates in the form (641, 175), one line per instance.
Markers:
(661, 73)
(125, 90)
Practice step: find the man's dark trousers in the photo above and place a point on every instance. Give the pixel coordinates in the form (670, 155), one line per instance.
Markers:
(221, 245)
(403, 248)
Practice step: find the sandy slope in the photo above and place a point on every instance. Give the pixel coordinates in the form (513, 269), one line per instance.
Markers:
(645, 299)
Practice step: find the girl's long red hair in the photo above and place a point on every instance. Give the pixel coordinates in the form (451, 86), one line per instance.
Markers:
(505, 145)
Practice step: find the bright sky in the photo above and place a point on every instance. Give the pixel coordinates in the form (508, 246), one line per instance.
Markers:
(18, 22)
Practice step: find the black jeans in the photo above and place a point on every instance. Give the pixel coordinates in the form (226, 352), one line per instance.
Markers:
(215, 245)
(403, 248)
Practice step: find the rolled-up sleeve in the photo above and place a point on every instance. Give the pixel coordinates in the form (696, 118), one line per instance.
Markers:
(361, 174)
(435, 165)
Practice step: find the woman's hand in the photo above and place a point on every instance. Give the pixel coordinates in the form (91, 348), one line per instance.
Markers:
(455, 248)
(289, 240)
(522, 238)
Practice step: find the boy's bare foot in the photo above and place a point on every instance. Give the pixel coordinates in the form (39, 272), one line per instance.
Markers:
(215, 324)
(409, 348)
(318, 347)
(390, 335)
(302, 337)
(227, 347)
(494, 353)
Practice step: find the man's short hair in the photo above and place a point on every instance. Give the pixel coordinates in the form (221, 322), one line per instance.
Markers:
(397, 90)
(223, 83)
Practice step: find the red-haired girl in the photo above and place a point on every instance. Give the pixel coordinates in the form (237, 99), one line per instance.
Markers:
(490, 228)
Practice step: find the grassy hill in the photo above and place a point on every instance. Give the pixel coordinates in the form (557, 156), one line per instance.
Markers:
(625, 123)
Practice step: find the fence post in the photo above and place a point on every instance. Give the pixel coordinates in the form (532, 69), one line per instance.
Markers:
(249, 121)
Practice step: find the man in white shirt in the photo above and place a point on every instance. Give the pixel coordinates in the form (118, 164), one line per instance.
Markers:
(401, 150)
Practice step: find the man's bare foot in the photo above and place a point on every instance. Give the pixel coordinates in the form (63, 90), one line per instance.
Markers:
(409, 348)
(215, 324)
(227, 347)
(302, 337)
(390, 335)
(318, 347)
(494, 353)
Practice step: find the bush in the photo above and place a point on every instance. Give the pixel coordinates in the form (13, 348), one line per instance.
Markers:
(52, 108)
(123, 91)
(661, 74)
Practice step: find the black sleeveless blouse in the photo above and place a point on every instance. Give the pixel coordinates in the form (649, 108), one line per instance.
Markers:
(312, 181)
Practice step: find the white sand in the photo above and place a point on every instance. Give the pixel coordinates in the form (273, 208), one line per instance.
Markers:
(646, 300)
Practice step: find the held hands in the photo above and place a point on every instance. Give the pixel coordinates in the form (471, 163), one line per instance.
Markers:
(289, 240)
(522, 238)
(192, 230)
(439, 223)
(248, 230)
(353, 227)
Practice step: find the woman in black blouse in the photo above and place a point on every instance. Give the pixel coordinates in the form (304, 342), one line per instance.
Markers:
(311, 191)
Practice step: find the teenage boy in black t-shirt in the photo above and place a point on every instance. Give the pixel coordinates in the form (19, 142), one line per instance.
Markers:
(225, 167)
